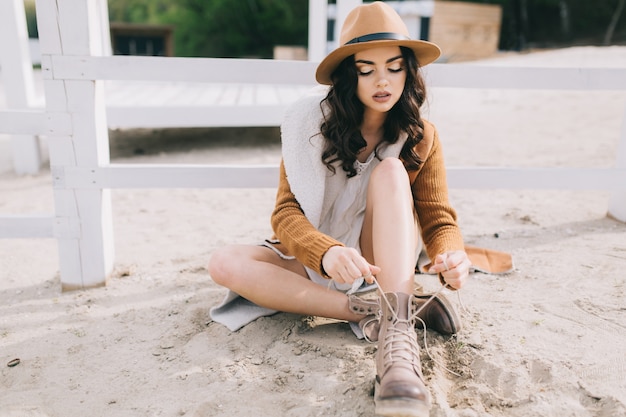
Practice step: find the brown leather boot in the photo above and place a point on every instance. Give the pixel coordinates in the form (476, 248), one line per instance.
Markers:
(400, 390)
(439, 315)
(371, 310)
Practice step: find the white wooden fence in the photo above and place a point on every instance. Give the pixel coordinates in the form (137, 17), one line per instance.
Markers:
(75, 123)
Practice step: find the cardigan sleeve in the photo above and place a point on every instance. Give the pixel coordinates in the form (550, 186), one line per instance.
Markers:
(295, 231)
(437, 218)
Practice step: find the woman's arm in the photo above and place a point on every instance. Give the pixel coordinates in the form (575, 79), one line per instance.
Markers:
(295, 231)
(440, 231)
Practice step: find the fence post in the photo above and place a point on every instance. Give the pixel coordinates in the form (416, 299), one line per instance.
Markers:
(83, 216)
(617, 201)
(318, 26)
(343, 9)
(17, 72)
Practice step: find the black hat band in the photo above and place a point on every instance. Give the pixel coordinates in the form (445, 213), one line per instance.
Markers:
(389, 36)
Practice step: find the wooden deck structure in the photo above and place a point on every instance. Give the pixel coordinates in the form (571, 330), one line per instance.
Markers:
(76, 70)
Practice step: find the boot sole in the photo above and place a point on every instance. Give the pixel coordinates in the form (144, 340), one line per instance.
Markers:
(399, 407)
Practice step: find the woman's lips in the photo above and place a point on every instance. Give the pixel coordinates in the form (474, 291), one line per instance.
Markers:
(382, 96)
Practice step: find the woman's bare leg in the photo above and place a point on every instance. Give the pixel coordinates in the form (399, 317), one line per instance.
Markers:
(390, 237)
(261, 276)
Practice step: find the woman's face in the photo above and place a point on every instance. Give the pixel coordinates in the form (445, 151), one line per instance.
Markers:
(381, 75)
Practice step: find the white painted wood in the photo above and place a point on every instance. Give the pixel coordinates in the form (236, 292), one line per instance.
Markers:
(17, 75)
(34, 122)
(222, 116)
(70, 264)
(56, 89)
(76, 27)
(66, 228)
(22, 121)
(423, 8)
(170, 176)
(83, 223)
(318, 26)
(101, 11)
(617, 200)
(96, 237)
(91, 149)
(154, 68)
(27, 226)
(617, 205)
(58, 123)
(266, 95)
(48, 28)
(61, 150)
(522, 78)
(65, 205)
(26, 152)
(536, 178)
(265, 176)
(219, 70)
(343, 8)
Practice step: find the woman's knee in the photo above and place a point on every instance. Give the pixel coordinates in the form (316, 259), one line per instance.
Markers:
(224, 264)
(390, 172)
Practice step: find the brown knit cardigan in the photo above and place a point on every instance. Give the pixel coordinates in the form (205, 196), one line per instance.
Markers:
(299, 238)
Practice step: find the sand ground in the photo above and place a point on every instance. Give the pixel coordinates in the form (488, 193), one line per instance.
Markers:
(548, 339)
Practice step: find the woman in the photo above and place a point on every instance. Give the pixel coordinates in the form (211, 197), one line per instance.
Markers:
(362, 178)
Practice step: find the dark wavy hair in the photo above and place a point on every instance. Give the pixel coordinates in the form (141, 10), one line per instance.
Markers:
(343, 115)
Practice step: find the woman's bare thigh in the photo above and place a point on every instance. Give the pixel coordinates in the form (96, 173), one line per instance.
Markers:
(236, 260)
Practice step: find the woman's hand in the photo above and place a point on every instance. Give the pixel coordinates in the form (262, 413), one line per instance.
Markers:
(453, 266)
(345, 265)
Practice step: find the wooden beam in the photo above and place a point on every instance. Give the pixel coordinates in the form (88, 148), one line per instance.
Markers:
(35, 122)
(318, 24)
(195, 116)
(85, 232)
(168, 176)
(617, 201)
(210, 70)
(525, 78)
(17, 73)
(27, 226)
(266, 176)
(536, 178)
(254, 71)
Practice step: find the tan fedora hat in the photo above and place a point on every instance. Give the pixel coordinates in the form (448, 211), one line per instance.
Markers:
(372, 25)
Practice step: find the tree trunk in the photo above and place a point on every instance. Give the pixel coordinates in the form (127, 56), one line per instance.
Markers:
(565, 19)
(609, 31)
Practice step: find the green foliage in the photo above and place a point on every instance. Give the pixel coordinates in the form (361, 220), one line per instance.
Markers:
(139, 11)
(251, 28)
(222, 28)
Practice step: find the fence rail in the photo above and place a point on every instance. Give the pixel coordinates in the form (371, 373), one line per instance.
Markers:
(254, 71)
(75, 122)
(266, 176)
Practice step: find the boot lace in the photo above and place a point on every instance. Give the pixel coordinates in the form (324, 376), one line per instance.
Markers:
(392, 331)
(400, 344)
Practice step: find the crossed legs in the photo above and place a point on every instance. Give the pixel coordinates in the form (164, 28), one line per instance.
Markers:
(388, 240)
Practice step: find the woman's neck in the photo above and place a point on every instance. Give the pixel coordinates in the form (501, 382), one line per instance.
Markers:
(372, 130)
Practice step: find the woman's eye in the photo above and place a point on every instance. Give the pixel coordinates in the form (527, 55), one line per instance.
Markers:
(396, 69)
(365, 71)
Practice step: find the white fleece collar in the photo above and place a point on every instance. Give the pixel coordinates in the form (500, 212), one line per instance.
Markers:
(302, 147)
